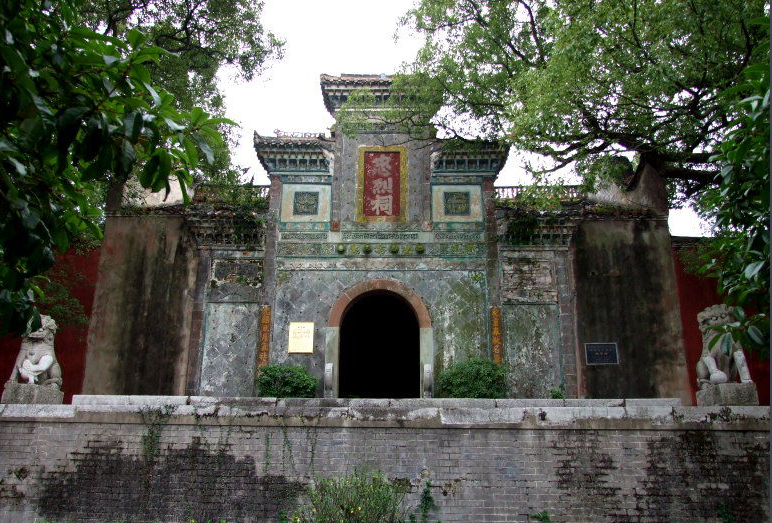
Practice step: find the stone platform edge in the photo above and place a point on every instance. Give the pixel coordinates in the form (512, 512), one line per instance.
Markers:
(570, 414)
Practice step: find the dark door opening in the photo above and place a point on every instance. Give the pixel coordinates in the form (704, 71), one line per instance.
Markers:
(379, 349)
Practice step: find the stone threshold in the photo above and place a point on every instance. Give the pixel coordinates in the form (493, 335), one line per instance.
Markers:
(444, 413)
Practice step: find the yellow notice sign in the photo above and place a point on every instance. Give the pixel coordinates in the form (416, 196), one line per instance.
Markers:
(301, 337)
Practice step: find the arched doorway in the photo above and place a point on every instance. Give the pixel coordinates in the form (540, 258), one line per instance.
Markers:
(379, 348)
(384, 293)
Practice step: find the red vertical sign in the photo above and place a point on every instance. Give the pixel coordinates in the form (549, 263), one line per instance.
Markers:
(381, 184)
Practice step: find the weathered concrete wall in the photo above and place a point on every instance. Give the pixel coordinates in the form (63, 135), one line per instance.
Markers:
(532, 349)
(627, 293)
(138, 337)
(174, 459)
(538, 320)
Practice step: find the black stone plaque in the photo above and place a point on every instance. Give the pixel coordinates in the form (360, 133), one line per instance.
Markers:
(601, 353)
(305, 203)
(456, 203)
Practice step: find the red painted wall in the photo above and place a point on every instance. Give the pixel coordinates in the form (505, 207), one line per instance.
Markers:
(70, 342)
(695, 294)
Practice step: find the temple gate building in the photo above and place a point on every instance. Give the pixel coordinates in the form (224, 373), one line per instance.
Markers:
(375, 261)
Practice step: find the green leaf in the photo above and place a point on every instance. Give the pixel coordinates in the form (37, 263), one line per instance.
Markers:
(726, 343)
(204, 148)
(88, 34)
(161, 179)
(20, 168)
(755, 335)
(153, 94)
(190, 148)
(140, 73)
(182, 181)
(752, 269)
(29, 218)
(148, 173)
(68, 124)
(136, 37)
(127, 158)
(174, 126)
(132, 125)
(6, 147)
(216, 121)
(110, 60)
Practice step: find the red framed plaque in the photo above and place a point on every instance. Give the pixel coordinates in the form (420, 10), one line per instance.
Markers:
(382, 184)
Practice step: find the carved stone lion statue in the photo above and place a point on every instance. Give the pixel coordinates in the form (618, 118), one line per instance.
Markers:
(36, 363)
(714, 366)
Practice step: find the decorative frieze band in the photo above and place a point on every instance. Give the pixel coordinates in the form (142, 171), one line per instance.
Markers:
(303, 236)
(380, 250)
(379, 236)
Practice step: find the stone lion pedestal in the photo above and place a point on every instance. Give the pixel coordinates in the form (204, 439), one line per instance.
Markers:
(31, 393)
(728, 394)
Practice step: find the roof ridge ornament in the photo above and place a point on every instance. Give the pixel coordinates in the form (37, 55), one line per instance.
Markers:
(297, 134)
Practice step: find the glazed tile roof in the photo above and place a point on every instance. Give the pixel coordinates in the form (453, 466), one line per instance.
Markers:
(336, 89)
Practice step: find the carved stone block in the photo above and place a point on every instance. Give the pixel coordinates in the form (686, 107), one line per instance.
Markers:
(31, 393)
(727, 394)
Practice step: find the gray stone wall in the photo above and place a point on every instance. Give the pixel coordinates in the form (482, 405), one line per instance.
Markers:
(233, 290)
(174, 459)
(456, 300)
(230, 345)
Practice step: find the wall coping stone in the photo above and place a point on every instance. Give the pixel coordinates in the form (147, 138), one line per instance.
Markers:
(444, 413)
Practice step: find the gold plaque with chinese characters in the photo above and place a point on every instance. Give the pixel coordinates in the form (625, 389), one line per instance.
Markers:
(382, 184)
(301, 337)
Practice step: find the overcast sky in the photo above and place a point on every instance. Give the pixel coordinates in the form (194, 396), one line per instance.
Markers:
(334, 37)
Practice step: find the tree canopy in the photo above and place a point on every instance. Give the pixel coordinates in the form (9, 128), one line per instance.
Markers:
(200, 37)
(76, 107)
(578, 80)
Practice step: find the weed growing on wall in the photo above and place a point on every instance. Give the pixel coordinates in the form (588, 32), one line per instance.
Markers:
(558, 393)
(473, 378)
(154, 419)
(286, 381)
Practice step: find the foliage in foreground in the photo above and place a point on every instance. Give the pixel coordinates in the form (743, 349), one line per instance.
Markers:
(286, 381)
(201, 39)
(77, 108)
(473, 378)
(738, 256)
(363, 497)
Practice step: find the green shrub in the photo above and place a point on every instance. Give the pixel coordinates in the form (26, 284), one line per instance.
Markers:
(474, 378)
(363, 497)
(286, 381)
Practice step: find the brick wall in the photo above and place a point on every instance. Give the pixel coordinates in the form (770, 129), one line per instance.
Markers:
(120, 458)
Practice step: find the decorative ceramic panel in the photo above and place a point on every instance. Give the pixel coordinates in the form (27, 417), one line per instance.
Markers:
(456, 203)
(305, 203)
